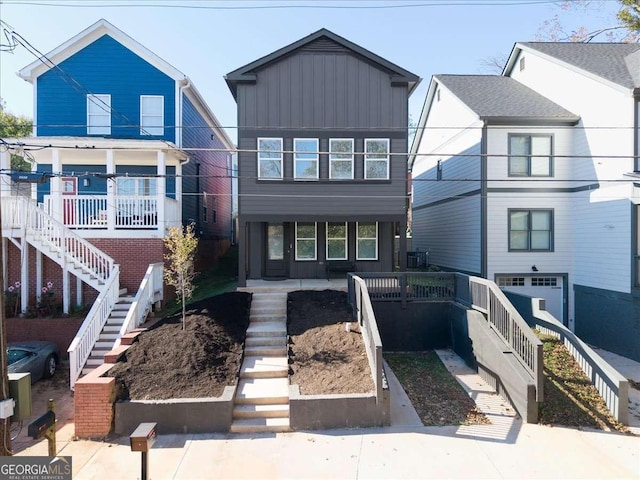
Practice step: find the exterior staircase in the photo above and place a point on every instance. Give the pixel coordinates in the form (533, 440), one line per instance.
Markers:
(110, 333)
(261, 403)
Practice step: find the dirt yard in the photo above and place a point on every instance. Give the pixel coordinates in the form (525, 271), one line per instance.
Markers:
(325, 357)
(168, 362)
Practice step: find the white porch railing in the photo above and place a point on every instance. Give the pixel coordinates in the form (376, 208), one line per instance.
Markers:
(86, 338)
(23, 213)
(149, 292)
(128, 212)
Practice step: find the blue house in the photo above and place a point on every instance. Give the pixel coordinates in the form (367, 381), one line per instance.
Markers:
(129, 148)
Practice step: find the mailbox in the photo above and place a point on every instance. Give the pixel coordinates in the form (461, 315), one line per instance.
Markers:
(143, 437)
(38, 428)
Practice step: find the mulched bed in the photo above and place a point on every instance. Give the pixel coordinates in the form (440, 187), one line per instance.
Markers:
(325, 358)
(169, 362)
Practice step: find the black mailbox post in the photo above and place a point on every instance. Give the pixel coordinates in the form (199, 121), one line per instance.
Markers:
(141, 440)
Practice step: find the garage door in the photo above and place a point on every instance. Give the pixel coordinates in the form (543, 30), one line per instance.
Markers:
(549, 288)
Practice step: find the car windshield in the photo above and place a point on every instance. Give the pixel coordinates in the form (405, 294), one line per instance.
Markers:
(15, 355)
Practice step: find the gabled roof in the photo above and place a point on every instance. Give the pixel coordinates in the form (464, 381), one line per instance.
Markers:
(610, 61)
(503, 99)
(247, 73)
(495, 100)
(88, 36)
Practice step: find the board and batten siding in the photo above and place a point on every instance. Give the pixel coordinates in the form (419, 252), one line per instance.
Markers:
(329, 95)
(214, 175)
(103, 67)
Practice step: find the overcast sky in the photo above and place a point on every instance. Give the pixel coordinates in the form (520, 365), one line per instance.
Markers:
(207, 39)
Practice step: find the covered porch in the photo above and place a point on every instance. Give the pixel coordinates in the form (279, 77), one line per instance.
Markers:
(101, 187)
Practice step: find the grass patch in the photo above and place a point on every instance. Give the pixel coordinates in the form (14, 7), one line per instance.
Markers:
(435, 394)
(219, 279)
(570, 399)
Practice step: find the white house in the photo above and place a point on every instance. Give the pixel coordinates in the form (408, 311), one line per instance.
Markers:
(530, 178)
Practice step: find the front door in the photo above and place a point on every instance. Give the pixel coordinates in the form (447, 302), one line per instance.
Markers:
(69, 188)
(276, 257)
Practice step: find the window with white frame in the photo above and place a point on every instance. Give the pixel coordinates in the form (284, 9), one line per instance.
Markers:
(530, 155)
(99, 114)
(367, 241)
(136, 187)
(376, 159)
(306, 241)
(305, 158)
(270, 158)
(151, 115)
(341, 158)
(531, 230)
(337, 241)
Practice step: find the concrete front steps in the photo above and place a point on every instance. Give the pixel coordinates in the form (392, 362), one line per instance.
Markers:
(261, 403)
(109, 333)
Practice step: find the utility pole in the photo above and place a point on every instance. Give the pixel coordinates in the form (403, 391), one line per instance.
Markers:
(5, 424)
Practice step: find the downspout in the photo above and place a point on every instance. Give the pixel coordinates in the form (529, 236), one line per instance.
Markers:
(186, 83)
(483, 203)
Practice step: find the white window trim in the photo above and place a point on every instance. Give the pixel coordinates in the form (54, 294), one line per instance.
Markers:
(270, 159)
(346, 241)
(331, 159)
(365, 238)
(295, 159)
(145, 131)
(315, 243)
(101, 99)
(366, 159)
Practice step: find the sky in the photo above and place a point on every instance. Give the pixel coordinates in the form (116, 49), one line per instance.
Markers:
(208, 38)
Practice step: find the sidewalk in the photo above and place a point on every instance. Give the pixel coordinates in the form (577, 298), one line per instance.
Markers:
(406, 450)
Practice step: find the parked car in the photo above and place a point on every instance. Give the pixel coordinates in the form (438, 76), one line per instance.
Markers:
(40, 359)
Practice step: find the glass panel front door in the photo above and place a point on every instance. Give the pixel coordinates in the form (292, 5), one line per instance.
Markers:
(276, 255)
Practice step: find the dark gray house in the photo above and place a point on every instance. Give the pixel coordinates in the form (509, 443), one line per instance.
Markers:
(322, 164)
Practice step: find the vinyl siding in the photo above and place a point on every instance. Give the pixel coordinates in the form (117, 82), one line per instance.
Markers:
(215, 178)
(103, 67)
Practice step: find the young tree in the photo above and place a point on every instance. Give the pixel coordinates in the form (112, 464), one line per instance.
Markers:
(181, 244)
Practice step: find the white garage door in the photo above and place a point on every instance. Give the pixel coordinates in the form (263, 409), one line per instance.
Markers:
(549, 288)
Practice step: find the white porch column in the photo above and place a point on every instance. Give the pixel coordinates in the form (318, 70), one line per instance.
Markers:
(34, 186)
(161, 190)
(78, 291)
(66, 290)
(5, 180)
(38, 275)
(56, 186)
(111, 192)
(24, 276)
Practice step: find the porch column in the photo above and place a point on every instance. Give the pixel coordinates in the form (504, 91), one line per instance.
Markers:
(38, 275)
(5, 180)
(78, 291)
(242, 253)
(66, 289)
(161, 192)
(34, 186)
(111, 192)
(56, 186)
(24, 275)
(402, 261)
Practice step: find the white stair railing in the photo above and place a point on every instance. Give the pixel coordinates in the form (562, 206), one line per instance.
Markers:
(149, 292)
(89, 331)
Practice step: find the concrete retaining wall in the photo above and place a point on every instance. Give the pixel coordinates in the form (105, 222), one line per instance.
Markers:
(320, 412)
(181, 415)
